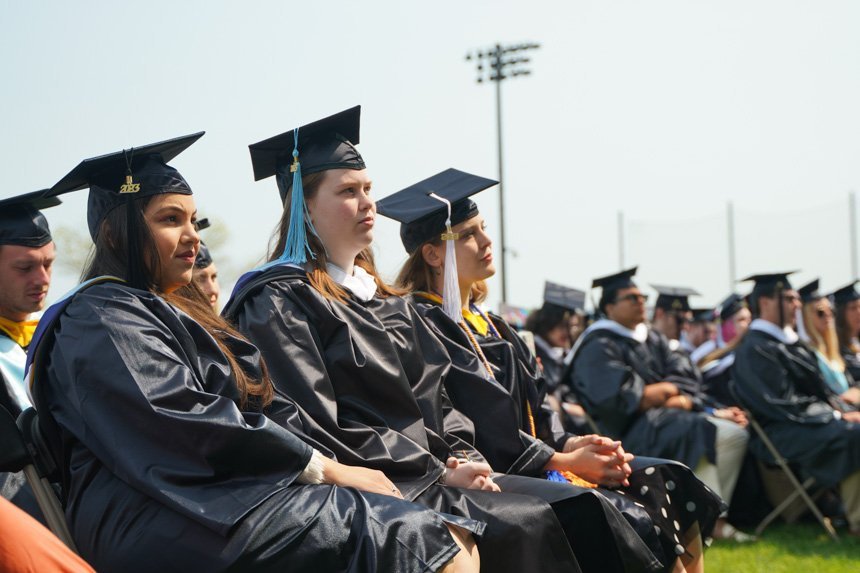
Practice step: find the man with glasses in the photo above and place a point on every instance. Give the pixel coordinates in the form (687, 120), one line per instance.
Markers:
(778, 379)
(672, 312)
(629, 381)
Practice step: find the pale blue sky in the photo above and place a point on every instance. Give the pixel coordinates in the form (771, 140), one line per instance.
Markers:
(665, 109)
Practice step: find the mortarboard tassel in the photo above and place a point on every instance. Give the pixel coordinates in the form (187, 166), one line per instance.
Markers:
(296, 247)
(451, 303)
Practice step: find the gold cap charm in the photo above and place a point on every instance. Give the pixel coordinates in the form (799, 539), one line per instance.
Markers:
(130, 186)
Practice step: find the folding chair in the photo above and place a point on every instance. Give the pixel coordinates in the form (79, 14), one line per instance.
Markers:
(800, 489)
(22, 448)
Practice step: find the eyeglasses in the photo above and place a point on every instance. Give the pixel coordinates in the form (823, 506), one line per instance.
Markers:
(632, 297)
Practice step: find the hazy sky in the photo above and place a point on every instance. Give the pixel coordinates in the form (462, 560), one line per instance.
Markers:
(666, 110)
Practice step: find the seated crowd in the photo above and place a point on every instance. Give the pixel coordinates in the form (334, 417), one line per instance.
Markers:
(327, 419)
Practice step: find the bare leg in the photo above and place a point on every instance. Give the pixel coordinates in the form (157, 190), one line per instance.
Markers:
(694, 558)
(467, 560)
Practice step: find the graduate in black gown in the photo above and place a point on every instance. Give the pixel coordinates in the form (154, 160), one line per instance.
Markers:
(27, 255)
(206, 271)
(496, 381)
(638, 390)
(364, 369)
(554, 325)
(777, 378)
(846, 303)
(550, 325)
(156, 410)
(714, 359)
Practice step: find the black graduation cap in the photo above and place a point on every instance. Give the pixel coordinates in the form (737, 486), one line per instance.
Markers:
(768, 284)
(423, 217)
(127, 175)
(616, 281)
(204, 257)
(22, 223)
(731, 305)
(809, 292)
(845, 294)
(611, 284)
(673, 298)
(328, 143)
(565, 297)
(703, 314)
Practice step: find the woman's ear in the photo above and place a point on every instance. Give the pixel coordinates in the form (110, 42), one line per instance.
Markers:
(432, 255)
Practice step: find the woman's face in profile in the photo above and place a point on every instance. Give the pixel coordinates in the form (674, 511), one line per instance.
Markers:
(172, 219)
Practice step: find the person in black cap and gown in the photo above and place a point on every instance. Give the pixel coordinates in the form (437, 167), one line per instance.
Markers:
(635, 388)
(26, 260)
(205, 270)
(715, 358)
(672, 313)
(496, 381)
(155, 409)
(358, 361)
(817, 328)
(846, 301)
(777, 378)
(551, 326)
(700, 331)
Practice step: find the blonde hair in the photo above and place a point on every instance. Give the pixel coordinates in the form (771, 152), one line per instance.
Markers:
(319, 277)
(827, 344)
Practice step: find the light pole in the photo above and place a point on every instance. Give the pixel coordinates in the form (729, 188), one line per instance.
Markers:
(496, 64)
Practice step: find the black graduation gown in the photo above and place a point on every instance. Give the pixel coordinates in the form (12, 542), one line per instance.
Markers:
(551, 365)
(781, 385)
(716, 380)
(164, 472)
(852, 362)
(366, 377)
(497, 407)
(609, 372)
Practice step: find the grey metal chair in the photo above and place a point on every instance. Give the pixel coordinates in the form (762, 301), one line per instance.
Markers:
(22, 449)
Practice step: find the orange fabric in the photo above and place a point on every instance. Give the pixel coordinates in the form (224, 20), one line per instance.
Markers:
(27, 547)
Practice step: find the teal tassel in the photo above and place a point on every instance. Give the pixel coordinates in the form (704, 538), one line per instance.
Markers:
(296, 247)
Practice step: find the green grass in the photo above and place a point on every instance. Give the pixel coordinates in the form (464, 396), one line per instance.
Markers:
(787, 549)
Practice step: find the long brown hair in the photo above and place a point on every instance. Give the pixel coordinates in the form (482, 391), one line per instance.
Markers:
(108, 257)
(319, 277)
(843, 331)
(416, 275)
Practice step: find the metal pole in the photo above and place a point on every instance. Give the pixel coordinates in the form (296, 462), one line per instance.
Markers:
(620, 239)
(730, 220)
(852, 213)
(504, 259)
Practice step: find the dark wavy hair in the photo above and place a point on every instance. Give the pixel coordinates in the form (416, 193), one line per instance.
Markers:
(125, 248)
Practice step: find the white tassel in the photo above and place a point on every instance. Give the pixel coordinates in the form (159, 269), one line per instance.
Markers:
(451, 303)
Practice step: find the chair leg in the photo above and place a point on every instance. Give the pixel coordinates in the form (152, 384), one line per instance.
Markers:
(800, 489)
(47, 500)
